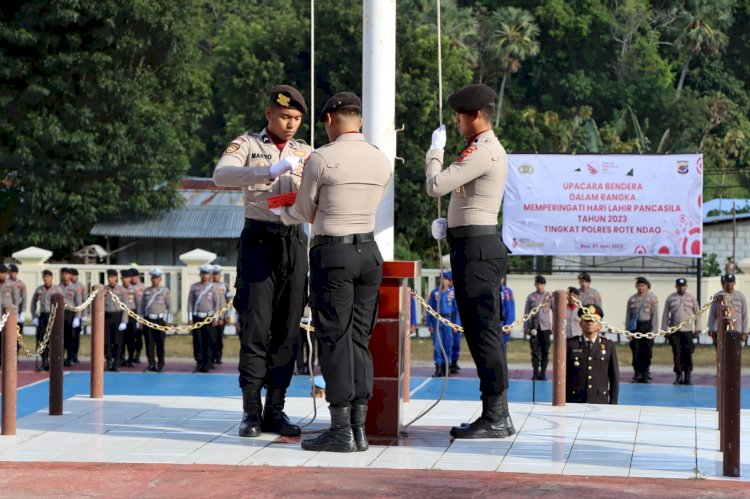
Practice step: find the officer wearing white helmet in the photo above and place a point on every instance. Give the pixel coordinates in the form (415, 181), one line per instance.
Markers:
(204, 299)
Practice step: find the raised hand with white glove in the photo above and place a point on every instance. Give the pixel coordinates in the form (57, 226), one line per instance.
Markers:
(122, 326)
(76, 322)
(439, 138)
(439, 228)
(21, 318)
(285, 165)
(35, 321)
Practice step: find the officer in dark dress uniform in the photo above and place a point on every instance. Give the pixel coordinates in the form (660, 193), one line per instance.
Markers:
(592, 371)
(342, 187)
(271, 260)
(476, 183)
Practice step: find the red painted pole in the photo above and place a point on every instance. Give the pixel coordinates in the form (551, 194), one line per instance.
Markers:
(559, 352)
(10, 371)
(97, 344)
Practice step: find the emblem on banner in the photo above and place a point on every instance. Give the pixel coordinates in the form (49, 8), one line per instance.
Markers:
(682, 167)
(526, 169)
(593, 167)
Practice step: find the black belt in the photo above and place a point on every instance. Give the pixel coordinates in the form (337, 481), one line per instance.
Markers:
(350, 239)
(472, 231)
(271, 227)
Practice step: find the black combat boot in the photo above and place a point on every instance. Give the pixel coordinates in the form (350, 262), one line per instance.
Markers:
(439, 371)
(687, 380)
(339, 437)
(274, 419)
(495, 421)
(454, 368)
(677, 379)
(252, 407)
(359, 415)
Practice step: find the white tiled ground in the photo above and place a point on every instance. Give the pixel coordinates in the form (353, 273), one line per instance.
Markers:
(572, 440)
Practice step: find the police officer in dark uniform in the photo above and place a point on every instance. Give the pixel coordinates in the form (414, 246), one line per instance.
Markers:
(476, 182)
(342, 187)
(593, 376)
(271, 262)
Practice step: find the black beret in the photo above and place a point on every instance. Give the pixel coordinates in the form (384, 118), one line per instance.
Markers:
(3, 268)
(73, 271)
(133, 272)
(13, 267)
(592, 309)
(65, 270)
(112, 272)
(289, 97)
(584, 276)
(540, 279)
(125, 272)
(341, 99)
(471, 98)
(680, 282)
(573, 290)
(728, 278)
(46, 272)
(642, 280)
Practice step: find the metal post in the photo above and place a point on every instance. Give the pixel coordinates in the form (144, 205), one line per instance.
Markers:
(722, 319)
(730, 412)
(56, 358)
(10, 371)
(559, 352)
(97, 343)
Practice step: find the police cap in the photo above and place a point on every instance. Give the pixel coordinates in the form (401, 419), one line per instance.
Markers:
(642, 280)
(111, 272)
(573, 290)
(728, 278)
(155, 272)
(46, 272)
(13, 267)
(3, 268)
(132, 272)
(586, 313)
(448, 275)
(289, 97)
(680, 282)
(471, 98)
(584, 276)
(540, 279)
(64, 270)
(205, 269)
(73, 271)
(125, 272)
(341, 99)
(216, 269)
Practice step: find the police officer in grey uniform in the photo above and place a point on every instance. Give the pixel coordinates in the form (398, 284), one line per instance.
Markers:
(476, 182)
(204, 300)
(677, 308)
(588, 295)
(41, 303)
(539, 327)
(593, 375)
(72, 319)
(155, 306)
(736, 300)
(77, 331)
(642, 316)
(343, 185)
(572, 319)
(218, 279)
(22, 293)
(115, 321)
(271, 262)
(9, 294)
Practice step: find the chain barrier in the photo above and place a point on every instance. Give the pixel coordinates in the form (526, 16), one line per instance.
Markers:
(83, 306)
(45, 340)
(3, 320)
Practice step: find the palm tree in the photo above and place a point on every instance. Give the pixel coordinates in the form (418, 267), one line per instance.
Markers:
(515, 40)
(702, 32)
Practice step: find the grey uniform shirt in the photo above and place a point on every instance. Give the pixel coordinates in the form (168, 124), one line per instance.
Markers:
(21, 287)
(246, 163)
(544, 317)
(155, 301)
(109, 304)
(41, 300)
(204, 301)
(72, 296)
(9, 294)
(644, 309)
(476, 181)
(572, 323)
(738, 302)
(342, 186)
(591, 296)
(678, 308)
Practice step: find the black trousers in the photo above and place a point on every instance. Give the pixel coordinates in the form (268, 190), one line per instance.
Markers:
(345, 293)
(68, 334)
(131, 339)
(478, 263)
(219, 345)
(682, 351)
(271, 294)
(40, 332)
(155, 344)
(76, 343)
(642, 349)
(113, 337)
(540, 350)
(204, 340)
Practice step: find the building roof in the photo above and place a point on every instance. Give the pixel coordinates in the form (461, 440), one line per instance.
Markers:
(190, 222)
(724, 206)
(720, 219)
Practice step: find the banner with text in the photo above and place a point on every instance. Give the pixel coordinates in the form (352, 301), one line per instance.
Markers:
(610, 205)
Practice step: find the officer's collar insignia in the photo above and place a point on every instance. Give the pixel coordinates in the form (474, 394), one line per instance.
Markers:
(283, 100)
(465, 153)
(299, 153)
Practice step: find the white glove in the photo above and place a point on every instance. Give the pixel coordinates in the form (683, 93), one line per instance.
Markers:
(35, 321)
(169, 318)
(76, 322)
(275, 211)
(285, 165)
(21, 318)
(439, 137)
(439, 228)
(122, 326)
